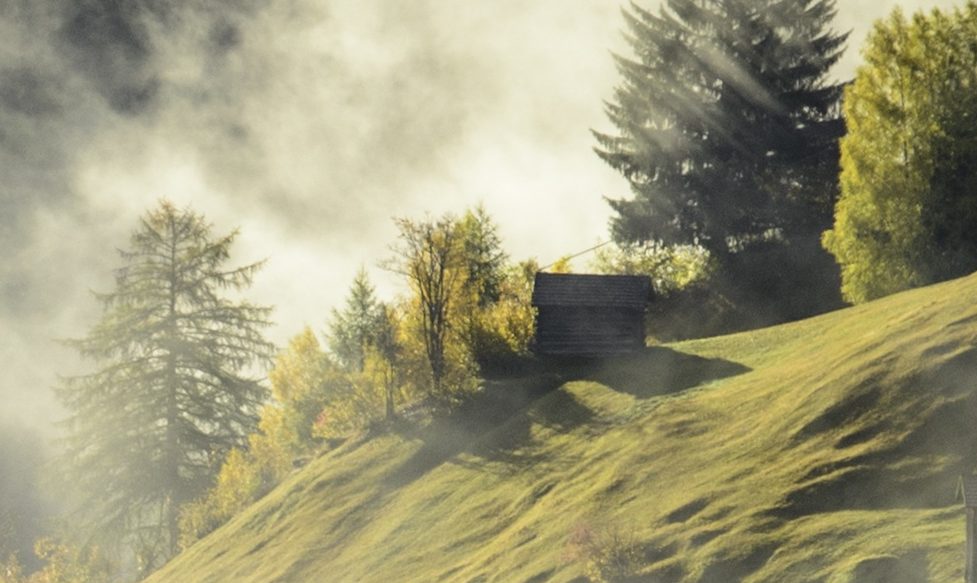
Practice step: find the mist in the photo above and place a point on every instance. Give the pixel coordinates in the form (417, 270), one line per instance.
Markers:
(308, 124)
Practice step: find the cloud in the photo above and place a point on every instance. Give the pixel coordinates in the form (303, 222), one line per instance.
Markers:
(307, 123)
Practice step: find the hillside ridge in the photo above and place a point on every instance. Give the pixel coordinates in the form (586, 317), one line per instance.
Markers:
(825, 450)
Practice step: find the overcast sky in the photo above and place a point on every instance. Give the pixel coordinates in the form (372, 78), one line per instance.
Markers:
(306, 123)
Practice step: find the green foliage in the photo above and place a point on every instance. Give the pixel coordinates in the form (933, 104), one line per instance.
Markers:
(907, 215)
(484, 258)
(366, 339)
(494, 313)
(368, 398)
(671, 267)
(727, 126)
(458, 368)
(696, 296)
(303, 381)
(430, 254)
(63, 563)
(562, 265)
(500, 333)
(239, 483)
(353, 331)
(170, 396)
(11, 570)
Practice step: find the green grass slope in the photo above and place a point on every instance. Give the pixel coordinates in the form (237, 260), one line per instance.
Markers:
(825, 451)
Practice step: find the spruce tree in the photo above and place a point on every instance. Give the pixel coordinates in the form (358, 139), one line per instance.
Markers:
(174, 388)
(354, 329)
(484, 258)
(727, 125)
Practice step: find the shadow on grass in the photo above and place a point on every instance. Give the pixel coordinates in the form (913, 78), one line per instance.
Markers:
(920, 470)
(910, 568)
(737, 568)
(473, 426)
(496, 424)
(651, 372)
(511, 447)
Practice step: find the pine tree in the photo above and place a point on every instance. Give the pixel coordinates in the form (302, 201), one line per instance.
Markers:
(173, 391)
(727, 126)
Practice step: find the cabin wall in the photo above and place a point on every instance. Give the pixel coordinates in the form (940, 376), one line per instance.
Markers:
(588, 330)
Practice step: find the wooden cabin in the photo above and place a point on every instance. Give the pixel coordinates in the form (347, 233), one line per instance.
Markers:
(967, 492)
(590, 315)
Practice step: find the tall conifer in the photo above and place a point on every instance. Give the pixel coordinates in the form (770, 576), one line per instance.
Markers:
(354, 329)
(727, 126)
(172, 393)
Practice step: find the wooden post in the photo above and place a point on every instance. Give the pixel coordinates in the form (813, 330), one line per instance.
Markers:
(970, 576)
(967, 491)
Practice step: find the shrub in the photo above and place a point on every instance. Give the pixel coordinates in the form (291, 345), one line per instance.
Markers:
(607, 553)
(63, 563)
(238, 484)
(500, 333)
(362, 400)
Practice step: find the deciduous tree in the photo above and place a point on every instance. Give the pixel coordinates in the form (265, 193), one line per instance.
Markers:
(907, 215)
(430, 255)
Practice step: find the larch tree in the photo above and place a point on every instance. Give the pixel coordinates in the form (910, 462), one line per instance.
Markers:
(174, 387)
(907, 215)
(727, 126)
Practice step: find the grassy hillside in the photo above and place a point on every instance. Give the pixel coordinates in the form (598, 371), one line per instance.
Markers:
(825, 450)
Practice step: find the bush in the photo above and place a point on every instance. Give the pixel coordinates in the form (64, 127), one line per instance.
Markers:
(363, 400)
(607, 553)
(500, 333)
(238, 484)
(63, 563)
(671, 267)
(768, 281)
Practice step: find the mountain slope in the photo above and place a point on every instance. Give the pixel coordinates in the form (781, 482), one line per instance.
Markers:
(824, 450)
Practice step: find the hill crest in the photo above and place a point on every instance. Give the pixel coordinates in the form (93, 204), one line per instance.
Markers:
(822, 450)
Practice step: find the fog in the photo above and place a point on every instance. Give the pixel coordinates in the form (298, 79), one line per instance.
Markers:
(306, 123)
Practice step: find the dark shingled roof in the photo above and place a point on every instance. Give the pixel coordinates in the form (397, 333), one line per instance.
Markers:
(574, 289)
(967, 490)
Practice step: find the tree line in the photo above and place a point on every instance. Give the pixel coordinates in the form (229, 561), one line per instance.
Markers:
(175, 431)
(800, 192)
